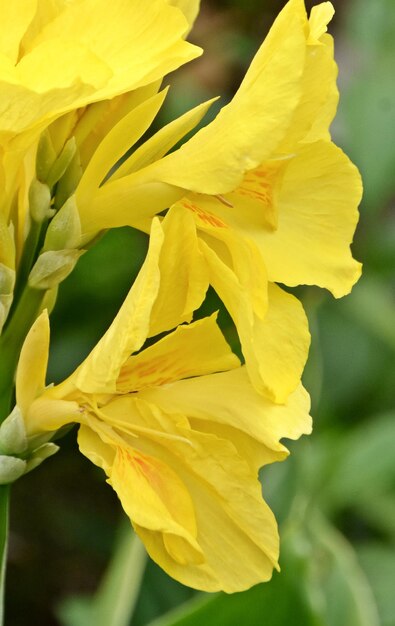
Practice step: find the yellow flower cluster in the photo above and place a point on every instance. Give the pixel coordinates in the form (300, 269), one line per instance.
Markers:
(259, 196)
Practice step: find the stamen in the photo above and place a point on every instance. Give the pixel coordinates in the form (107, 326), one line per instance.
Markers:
(224, 201)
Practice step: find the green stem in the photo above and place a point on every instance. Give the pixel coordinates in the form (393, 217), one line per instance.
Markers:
(117, 596)
(29, 255)
(4, 501)
(11, 342)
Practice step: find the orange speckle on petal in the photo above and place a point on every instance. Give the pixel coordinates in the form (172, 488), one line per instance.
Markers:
(204, 216)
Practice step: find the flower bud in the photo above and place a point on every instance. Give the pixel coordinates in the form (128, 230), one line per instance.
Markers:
(7, 282)
(11, 469)
(69, 181)
(49, 300)
(64, 230)
(40, 454)
(13, 438)
(62, 162)
(45, 158)
(3, 315)
(7, 245)
(39, 201)
(52, 267)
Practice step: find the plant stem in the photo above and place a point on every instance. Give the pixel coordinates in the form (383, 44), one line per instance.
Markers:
(116, 598)
(4, 501)
(11, 342)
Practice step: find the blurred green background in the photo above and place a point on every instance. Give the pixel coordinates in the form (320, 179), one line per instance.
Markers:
(334, 497)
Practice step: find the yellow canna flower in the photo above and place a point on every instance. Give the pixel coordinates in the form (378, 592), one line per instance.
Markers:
(268, 155)
(273, 199)
(59, 56)
(177, 427)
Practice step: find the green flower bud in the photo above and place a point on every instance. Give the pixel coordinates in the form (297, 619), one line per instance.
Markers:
(64, 230)
(45, 158)
(39, 201)
(40, 454)
(3, 315)
(52, 267)
(49, 300)
(69, 182)
(13, 438)
(62, 162)
(11, 469)
(7, 244)
(7, 280)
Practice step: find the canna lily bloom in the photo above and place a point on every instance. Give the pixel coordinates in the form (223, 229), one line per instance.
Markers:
(177, 428)
(60, 56)
(270, 143)
(264, 178)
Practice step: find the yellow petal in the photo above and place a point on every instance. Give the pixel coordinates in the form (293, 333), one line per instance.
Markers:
(320, 16)
(99, 118)
(275, 346)
(33, 360)
(102, 51)
(234, 525)
(100, 370)
(183, 274)
(93, 447)
(277, 353)
(230, 399)
(318, 104)
(244, 279)
(317, 216)
(190, 9)
(151, 493)
(193, 350)
(48, 414)
(216, 158)
(139, 43)
(131, 203)
(77, 61)
(160, 143)
(15, 17)
(115, 144)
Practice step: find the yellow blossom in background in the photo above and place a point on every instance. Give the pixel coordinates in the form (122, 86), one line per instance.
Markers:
(60, 56)
(69, 71)
(178, 429)
(97, 51)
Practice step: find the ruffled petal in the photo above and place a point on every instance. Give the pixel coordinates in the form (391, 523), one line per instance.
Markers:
(33, 361)
(233, 523)
(183, 274)
(216, 158)
(317, 216)
(230, 400)
(100, 370)
(192, 350)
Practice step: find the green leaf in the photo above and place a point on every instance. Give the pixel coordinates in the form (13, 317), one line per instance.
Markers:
(373, 305)
(367, 105)
(378, 562)
(342, 590)
(115, 600)
(364, 463)
(4, 506)
(271, 604)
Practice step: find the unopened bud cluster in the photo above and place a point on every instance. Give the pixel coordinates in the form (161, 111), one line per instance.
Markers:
(18, 455)
(52, 204)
